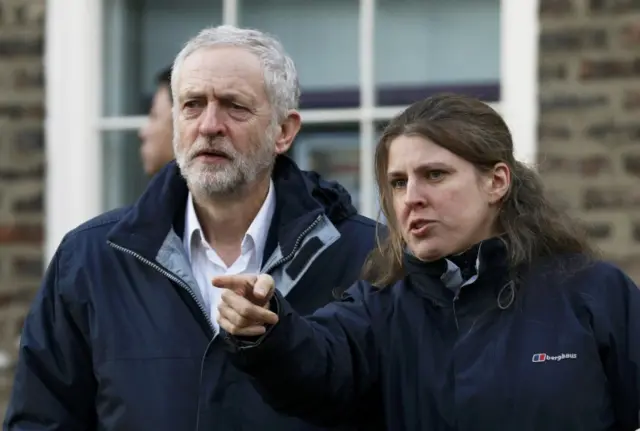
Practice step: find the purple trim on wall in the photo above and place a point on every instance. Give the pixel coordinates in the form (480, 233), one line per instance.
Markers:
(394, 95)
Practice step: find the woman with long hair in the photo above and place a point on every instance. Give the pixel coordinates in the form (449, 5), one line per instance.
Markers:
(483, 307)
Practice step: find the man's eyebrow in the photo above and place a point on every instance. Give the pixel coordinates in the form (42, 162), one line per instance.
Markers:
(190, 94)
(224, 95)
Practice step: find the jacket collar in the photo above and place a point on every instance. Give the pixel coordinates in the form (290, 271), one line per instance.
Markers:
(301, 197)
(480, 271)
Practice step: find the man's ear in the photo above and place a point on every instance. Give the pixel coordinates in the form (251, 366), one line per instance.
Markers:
(287, 131)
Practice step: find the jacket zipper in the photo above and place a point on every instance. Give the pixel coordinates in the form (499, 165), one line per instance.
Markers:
(184, 285)
(288, 257)
(170, 276)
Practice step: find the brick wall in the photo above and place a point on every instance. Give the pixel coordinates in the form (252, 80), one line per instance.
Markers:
(21, 170)
(590, 118)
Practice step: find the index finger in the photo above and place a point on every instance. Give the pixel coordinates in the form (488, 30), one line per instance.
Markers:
(239, 283)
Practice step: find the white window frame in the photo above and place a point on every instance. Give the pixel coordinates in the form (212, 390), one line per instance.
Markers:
(74, 123)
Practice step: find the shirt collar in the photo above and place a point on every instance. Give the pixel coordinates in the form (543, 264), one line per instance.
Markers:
(255, 236)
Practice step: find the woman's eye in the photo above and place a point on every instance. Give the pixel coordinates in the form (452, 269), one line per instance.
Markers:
(397, 184)
(435, 175)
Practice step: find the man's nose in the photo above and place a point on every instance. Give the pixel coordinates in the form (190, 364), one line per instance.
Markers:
(211, 123)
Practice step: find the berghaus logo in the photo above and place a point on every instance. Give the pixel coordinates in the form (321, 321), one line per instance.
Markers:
(543, 357)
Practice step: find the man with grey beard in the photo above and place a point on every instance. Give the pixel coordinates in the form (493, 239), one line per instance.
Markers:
(123, 333)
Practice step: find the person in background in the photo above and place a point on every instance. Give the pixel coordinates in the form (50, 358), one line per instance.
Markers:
(123, 334)
(157, 133)
(485, 308)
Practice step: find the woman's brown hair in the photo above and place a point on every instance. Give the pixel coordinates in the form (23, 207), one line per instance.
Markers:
(532, 226)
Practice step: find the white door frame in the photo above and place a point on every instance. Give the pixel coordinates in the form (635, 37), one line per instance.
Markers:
(74, 98)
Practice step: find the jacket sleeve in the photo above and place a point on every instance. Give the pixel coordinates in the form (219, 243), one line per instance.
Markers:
(54, 386)
(320, 368)
(617, 328)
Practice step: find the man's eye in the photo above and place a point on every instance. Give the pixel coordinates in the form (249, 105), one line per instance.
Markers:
(189, 104)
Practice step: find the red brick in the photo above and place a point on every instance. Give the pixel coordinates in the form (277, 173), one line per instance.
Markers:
(552, 71)
(613, 6)
(20, 294)
(631, 163)
(584, 166)
(573, 102)
(609, 68)
(21, 234)
(17, 111)
(630, 35)
(631, 99)
(573, 39)
(614, 133)
(29, 78)
(15, 46)
(27, 266)
(14, 174)
(29, 140)
(556, 7)
(554, 131)
(611, 198)
(29, 204)
(636, 231)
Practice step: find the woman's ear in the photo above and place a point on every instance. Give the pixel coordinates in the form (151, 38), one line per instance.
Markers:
(498, 182)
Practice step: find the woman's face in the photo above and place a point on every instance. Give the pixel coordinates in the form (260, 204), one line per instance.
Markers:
(442, 204)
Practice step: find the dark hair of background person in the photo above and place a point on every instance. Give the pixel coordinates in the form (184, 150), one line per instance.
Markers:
(531, 226)
(164, 78)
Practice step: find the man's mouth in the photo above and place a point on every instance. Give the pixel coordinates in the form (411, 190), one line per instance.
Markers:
(212, 155)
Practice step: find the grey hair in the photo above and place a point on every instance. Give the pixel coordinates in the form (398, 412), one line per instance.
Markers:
(279, 71)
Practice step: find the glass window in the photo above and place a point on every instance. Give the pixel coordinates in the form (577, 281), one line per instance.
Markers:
(423, 47)
(141, 37)
(322, 39)
(123, 179)
(333, 151)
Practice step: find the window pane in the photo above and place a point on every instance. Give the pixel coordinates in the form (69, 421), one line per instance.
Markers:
(123, 177)
(322, 39)
(426, 46)
(334, 152)
(141, 37)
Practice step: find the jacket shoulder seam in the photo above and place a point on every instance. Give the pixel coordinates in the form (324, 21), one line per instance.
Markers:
(91, 225)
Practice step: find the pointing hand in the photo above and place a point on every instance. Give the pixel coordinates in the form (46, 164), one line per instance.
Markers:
(244, 306)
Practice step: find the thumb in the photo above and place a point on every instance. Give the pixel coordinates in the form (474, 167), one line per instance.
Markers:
(264, 286)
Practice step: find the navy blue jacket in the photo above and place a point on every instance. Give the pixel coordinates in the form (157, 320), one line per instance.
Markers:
(557, 351)
(117, 338)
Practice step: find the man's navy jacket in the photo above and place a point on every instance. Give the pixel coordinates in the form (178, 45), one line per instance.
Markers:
(117, 337)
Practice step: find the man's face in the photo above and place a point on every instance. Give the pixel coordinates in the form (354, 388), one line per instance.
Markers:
(157, 134)
(225, 133)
